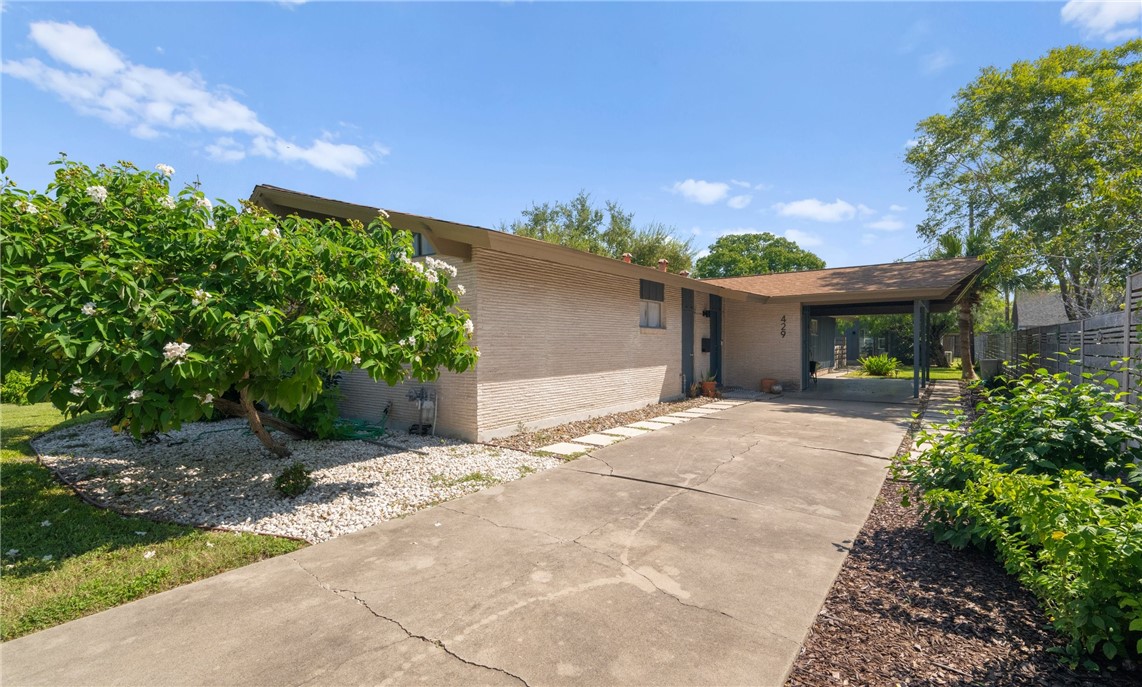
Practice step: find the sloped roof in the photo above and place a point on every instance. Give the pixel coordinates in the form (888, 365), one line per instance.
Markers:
(1039, 309)
(932, 279)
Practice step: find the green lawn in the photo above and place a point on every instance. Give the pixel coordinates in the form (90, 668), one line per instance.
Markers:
(63, 559)
(906, 373)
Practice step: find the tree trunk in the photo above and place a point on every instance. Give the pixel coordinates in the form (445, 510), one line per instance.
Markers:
(965, 321)
(255, 419)
(233, 409)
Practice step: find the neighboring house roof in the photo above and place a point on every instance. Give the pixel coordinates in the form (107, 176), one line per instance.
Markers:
(936, 280)
(1038, 309)
(894, 284)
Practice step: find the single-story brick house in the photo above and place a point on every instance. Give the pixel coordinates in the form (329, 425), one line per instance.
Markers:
(565, 335)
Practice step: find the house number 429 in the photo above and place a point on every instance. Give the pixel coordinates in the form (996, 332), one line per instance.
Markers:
(783, 326)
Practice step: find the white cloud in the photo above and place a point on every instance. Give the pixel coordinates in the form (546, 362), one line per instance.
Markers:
(225, 149)
(868, 239)
(865, 211)
(150, 101)
(76, 46)
(937, 61)
(739, 230)
(886, 223)
(1109, 21)
(743, 184)
(896, 208)
(911, 143)
(703, 192)
(739, 202)
(803, 239)
(696, 231)
(814, 209)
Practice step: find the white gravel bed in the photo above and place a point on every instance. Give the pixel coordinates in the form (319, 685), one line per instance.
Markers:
(216, 474)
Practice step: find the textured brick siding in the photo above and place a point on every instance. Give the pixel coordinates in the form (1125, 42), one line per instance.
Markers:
(365, 399)
(754, 345)
(561, 343)
(701, 331)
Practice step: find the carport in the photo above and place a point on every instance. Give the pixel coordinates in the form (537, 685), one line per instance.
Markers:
(921, 288)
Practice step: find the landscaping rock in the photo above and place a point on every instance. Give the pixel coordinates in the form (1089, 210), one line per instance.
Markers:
(216, 474)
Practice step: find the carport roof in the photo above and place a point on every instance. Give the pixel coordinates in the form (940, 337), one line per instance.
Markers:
(935, 280)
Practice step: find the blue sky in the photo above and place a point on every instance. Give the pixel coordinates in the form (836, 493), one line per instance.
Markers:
(712, 118)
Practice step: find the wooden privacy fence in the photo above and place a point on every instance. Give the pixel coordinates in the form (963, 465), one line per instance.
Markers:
(1092, 345)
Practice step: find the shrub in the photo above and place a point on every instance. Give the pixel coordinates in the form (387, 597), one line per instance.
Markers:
(1037, 477)
(294, 480)
(1044, 424)
(15, 387)
(1074, 541)
(882, 365)
(322, 418)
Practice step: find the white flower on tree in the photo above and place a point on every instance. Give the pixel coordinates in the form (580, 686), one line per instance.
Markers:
(430, 275)
(203, 203)
(165, 170)
(28, 208)
(356, 360)
(175, 351)
(76, 387)
(394, 289)
(88, 309)
(460, 290)
(200, 297)
(207, 399)
(167, 202)
(97, 193)
(469, 328)
(275, 232)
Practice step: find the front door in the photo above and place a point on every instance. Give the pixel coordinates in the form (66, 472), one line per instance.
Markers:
(687, 339)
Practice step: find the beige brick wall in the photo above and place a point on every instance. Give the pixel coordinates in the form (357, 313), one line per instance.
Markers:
(560, 344)
(754, 346)
(365, 399)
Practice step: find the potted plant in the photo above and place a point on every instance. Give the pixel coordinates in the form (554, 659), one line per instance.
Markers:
(709, 384)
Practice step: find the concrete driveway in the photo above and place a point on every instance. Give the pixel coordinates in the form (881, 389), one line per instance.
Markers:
(698, 554)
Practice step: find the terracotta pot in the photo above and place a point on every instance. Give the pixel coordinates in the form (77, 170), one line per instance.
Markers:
(767, 384)
(709, 389)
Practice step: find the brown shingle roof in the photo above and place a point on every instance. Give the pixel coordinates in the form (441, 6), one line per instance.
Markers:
(883, 280)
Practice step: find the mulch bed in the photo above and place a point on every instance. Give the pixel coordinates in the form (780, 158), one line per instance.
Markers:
(529, 441)
(908, 611)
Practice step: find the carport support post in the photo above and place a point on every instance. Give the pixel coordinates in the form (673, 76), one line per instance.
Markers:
(917, 318)
(805, 354)
(927, 343)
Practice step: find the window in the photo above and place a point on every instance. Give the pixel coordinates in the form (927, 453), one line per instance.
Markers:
(651, 315)
(420, 245)
(652, 295)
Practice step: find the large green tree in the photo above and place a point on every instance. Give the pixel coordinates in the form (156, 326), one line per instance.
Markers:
(1044, 158)
(116, 293)
(608, 231)
(738, 255)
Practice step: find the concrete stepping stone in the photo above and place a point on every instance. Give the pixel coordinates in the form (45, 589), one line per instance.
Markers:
(669, 419)
(688, 414)
(732, 403)
(598, 439)
(713, 406)
(564, 448)
(625, 431)
(700, 411)
(643, 424)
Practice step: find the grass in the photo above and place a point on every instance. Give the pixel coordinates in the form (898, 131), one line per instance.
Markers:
(470, 478)
(906, 373)
(71, 559)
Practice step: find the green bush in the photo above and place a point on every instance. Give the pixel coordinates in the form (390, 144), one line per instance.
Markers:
(1040, 478)
(322, 417)
(882, 365)
(1043, 424)
(1074, 541)
(15, 387)
(294, 480)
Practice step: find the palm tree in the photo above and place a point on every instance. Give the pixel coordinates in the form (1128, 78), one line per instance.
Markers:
(974, 243)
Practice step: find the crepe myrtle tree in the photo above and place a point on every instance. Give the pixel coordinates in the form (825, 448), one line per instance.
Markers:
(116, 293)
